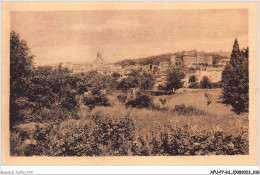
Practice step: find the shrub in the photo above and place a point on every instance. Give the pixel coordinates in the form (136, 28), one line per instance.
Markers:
(141, 100)
(95, 98)
(159, 108)
(216, 85)
(136, 79)
(194, 85)
(116, 75)
(192, 79)
(189, 110)
(109, 136)
(205, 83)
(69, 102)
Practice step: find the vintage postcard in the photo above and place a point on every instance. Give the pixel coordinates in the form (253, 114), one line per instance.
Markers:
(129, 83)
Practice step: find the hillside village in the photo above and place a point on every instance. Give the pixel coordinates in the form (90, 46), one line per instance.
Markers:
(191, 63)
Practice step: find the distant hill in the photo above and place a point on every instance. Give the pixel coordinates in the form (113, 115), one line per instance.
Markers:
(147, 60)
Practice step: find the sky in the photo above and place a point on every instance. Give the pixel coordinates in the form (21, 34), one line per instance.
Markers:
(77, 36)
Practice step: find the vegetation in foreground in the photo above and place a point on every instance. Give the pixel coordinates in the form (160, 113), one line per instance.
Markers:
(134, 132)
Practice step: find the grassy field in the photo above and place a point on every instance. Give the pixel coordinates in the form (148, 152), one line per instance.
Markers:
(183, 125)
(219, 115)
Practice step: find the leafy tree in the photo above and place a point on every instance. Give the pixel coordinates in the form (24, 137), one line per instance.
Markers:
(21, 67)
(192, 79)
(216, 58)
(53, 87)
(69, 101)
(136, 79)
(142, 99)
(174, 80)
(205, 82)
(42, 94)
(94, 79)
(95, 98)
(123, 85)
(235, 80)
(146, 81)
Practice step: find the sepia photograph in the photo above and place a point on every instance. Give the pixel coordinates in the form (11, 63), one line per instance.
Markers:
(129, 83)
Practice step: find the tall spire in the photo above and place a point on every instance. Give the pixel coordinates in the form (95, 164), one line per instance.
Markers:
(98, 55)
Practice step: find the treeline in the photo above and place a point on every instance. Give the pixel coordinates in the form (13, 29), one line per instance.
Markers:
(155, 60)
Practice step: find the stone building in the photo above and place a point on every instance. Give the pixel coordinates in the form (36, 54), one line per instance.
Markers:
(191, 59)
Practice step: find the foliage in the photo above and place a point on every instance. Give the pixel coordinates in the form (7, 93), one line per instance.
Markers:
(155, 60)
(106, 135)
(93, 79)
(139, 100)
(235, 80)
(95, 98)
(174, 80)
(189, 110)
(116, 75)
(205, 82)
(194, 85)
(216, 58)
(136, 79)
(216, 85)
(192, 79)
(52, 87)
(21, 67)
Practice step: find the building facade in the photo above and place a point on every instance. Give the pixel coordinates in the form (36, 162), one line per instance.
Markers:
(191, 59)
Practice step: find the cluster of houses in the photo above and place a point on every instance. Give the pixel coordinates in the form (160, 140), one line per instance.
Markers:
(192, 62)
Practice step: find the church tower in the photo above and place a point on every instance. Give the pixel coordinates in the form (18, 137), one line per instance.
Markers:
(99, 56)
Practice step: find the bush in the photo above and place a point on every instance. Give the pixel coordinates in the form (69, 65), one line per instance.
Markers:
(103, 135)
(136, 79)
(139, 100)
(192, 79)
(69, 102)
(189, 110)
(216, 85)
(157, 107)
(95, 98)
(194, 85)
(205, 83)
